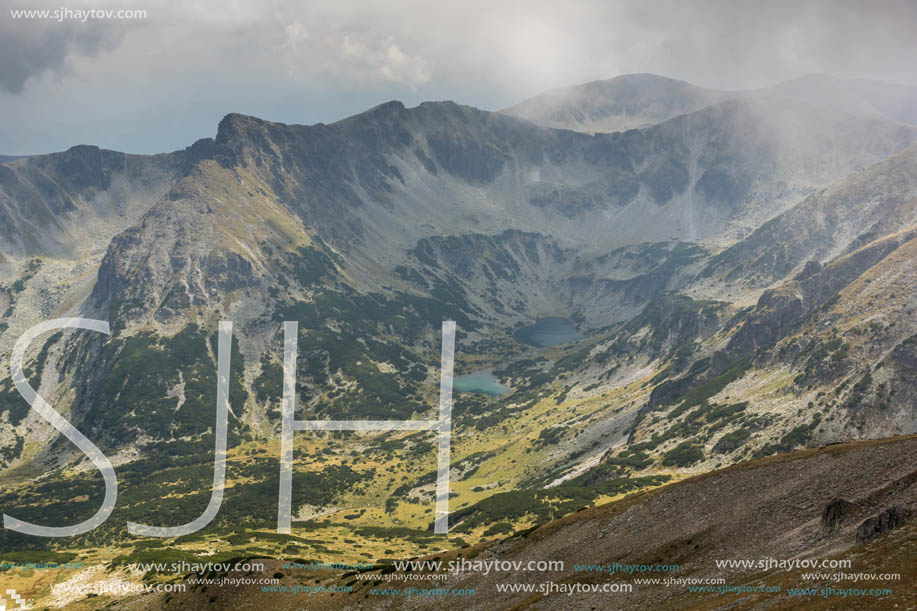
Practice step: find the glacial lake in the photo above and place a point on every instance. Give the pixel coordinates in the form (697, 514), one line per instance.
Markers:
(547, 332)
(479, 381)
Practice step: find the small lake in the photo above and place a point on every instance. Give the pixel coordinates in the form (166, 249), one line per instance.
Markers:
(479, 381)
(547, 332)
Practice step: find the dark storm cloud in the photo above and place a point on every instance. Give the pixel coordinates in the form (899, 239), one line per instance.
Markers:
(159, 83)
(31, 47)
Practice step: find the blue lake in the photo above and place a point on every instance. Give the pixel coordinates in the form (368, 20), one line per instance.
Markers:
(547, 332)
(480, 381)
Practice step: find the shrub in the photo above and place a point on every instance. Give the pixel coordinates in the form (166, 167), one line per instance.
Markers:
(732, 441)
(683, 455)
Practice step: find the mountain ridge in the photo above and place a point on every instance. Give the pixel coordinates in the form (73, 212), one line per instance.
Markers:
(739, 278)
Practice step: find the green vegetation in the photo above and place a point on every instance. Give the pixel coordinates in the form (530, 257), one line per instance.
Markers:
(310, 266)
(12, 402)
(269, 384)
(684, 454)
(170, 488)
(632, 458)
(796, 437)
(134, 395)
(500, 528)
(731, 442)
(704, 391)
(706, 418)
(347, 337)
(550, 436)
(541, 505)
(864, 383)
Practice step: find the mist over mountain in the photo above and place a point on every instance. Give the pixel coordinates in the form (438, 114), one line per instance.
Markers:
(634, 101)
(630, 101)
(737, 265)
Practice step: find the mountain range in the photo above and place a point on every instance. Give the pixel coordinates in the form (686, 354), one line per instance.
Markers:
(737, 264)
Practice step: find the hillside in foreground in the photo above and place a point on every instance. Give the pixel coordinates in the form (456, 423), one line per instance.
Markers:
(848, 501)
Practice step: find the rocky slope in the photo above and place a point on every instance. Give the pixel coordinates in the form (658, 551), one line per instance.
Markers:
(877, 201)
(58, 215)
(776, 508)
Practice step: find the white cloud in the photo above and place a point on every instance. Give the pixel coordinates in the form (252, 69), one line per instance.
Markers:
(295, 60)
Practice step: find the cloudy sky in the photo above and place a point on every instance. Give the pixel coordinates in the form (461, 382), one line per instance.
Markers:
(159, 83)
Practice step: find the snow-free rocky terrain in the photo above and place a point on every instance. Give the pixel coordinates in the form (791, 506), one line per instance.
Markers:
(739, 266)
